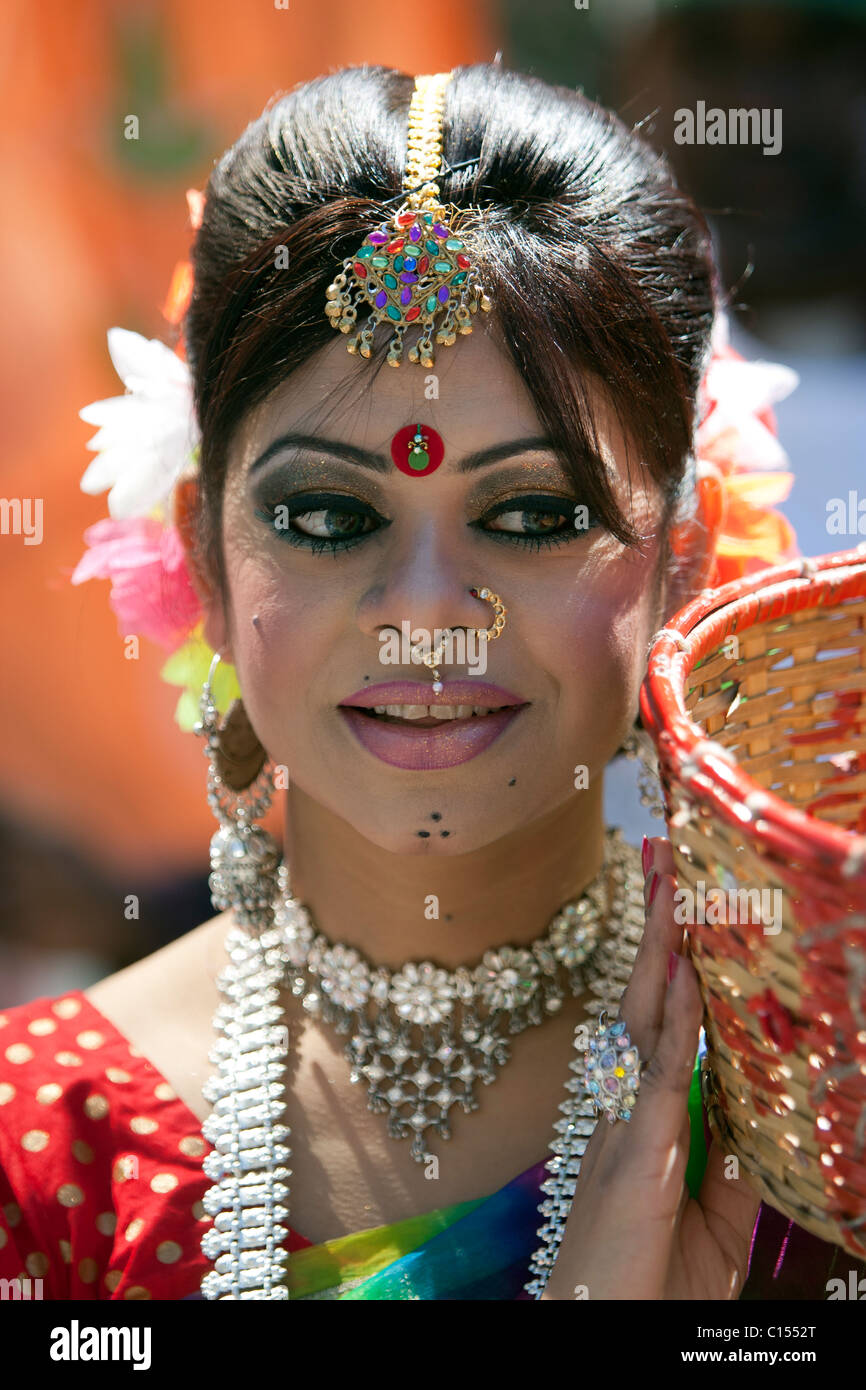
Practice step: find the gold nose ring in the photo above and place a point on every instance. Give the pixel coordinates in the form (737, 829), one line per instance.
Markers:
(431, 659)
(495, 629)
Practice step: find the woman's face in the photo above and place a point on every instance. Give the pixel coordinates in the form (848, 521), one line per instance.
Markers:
(326, 558)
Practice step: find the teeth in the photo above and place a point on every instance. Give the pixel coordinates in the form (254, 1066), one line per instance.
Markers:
(436, 711)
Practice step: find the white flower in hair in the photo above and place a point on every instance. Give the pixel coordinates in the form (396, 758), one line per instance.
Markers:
(147, 437)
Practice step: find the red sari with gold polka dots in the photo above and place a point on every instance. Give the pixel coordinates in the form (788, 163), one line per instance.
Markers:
(101, 1180)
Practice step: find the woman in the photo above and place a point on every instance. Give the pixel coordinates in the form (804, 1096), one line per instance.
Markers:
(534, 480)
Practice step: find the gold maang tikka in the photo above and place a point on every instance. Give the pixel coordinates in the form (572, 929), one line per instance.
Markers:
(413, 267)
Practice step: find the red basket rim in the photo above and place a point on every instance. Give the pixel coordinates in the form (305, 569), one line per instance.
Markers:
(687, 755)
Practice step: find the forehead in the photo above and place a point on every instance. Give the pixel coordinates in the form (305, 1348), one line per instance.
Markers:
(473, 394)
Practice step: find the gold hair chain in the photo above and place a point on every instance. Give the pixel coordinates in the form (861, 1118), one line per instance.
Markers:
(413, 268)
(424, 148)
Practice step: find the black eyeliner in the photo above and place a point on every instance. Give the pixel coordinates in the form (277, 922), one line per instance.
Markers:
(299, 504)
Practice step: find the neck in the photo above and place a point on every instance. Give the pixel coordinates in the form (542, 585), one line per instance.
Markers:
(380, 902)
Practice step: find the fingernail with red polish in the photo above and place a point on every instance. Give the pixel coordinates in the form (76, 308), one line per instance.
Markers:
(646, 855)
(673, 962)
(655, 887)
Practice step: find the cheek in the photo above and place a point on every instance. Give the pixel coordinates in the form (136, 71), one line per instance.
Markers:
(286, 649)
(593, 639)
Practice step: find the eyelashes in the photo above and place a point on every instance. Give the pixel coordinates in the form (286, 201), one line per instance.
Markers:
(336, 521)
(534, 509)
(308, 508)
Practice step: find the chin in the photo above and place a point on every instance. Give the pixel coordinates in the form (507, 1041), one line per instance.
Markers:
(467, 829)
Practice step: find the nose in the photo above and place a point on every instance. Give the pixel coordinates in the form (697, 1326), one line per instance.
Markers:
(427, 583)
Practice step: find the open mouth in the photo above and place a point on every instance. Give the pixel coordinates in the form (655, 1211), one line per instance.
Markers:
(422, 730)
(427, 737)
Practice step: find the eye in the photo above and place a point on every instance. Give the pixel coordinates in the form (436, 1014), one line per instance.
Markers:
(321, 521)
(537, 519)
(329, 522)
(525, 521)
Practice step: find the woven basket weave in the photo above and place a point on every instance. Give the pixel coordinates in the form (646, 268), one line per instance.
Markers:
(755, 699)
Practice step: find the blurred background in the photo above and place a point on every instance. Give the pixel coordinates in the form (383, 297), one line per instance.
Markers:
(101, 795)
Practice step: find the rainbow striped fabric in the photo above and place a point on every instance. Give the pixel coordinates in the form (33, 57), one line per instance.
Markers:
(473, 1250)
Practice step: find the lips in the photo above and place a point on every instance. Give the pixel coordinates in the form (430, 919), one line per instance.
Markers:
(425, 742)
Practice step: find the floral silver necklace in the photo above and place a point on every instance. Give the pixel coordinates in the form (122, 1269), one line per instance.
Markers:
(422, 1037)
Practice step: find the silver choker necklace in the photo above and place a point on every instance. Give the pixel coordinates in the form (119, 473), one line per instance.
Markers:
(422, 1037)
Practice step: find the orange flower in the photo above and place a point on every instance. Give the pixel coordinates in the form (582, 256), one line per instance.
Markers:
(180, 289)
(740, 463)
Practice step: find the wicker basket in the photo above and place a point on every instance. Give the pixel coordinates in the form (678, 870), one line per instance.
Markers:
(755, 699)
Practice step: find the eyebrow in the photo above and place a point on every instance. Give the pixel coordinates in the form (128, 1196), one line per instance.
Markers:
(377, 463)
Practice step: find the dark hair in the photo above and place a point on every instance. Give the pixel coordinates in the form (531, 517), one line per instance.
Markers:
(592, 256)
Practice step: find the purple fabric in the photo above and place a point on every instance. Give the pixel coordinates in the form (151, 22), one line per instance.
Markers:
(788, 1262)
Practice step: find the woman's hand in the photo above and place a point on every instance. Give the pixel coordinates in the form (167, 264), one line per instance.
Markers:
(633, 1231)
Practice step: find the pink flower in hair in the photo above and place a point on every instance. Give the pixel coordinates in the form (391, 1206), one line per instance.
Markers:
(151, 590)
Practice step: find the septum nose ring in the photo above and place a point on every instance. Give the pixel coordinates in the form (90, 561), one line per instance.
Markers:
(431, 659)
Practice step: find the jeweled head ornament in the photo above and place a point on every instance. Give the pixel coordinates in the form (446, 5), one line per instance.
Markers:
(413, 268)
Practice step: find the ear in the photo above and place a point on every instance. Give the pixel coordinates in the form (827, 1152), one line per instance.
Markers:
(186, 501)
(693, 543)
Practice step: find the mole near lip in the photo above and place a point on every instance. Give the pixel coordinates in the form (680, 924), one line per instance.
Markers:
(463, 692)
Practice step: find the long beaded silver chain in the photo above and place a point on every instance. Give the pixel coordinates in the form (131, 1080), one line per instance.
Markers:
(608, 972)
(273, 940)
(248, 1162)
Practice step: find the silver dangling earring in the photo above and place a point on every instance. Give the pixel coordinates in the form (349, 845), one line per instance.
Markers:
(248, 1162)
(244, 858)
(639, 745)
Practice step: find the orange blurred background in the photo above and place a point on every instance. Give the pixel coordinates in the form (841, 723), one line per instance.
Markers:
(101, 795)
